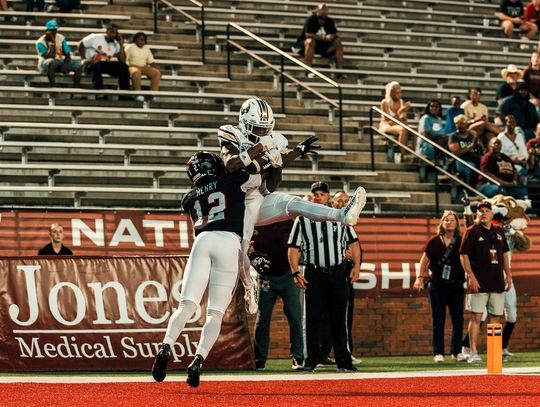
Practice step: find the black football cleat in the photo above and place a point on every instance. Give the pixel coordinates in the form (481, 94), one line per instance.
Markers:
(159, 369)
(194, 371)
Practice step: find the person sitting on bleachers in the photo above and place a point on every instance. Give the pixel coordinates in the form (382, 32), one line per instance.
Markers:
(64, 6)
(533, 149)
(431, 126)
(501, 168)
(513, 144)
(98, 50)
(5, 6)
(55, 55)
(451, 113)
(511, 75)
(512, 13)
(140, 61)
(466, 145)
(519, 106)
(320, 35)
(38, 4)
(477, 114)
(394, 105)
(531, 77)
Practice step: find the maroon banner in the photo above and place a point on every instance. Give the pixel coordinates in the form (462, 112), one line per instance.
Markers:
(392, 246)
(110, 313)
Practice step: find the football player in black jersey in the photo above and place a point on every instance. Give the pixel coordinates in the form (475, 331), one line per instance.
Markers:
(216, 205)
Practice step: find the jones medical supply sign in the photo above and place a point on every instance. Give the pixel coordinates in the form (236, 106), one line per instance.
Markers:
(84, 313)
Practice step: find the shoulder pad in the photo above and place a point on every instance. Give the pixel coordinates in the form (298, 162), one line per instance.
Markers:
(280, 140)
(228, 134)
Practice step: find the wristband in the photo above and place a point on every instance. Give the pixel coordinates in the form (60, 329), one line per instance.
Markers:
(296, 273)
(244, 156)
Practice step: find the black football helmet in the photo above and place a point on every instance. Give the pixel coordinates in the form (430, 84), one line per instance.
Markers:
(203, 164)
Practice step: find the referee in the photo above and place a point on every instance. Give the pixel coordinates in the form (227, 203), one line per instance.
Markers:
(325, 280)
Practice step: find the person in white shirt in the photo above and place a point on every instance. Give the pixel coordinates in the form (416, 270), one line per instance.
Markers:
(513, 144)
(98, 51)
(140, 62)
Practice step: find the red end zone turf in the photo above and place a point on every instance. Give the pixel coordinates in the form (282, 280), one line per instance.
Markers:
(450, 391)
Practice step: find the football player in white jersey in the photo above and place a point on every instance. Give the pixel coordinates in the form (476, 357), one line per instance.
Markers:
(254, 146)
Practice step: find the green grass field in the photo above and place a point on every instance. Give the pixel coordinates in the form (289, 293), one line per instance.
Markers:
(369, 365)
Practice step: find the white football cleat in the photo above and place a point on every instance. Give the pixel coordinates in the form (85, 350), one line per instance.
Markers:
(251, 296)
(354, 207)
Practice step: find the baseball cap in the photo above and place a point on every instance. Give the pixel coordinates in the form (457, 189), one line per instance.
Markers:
(483, 204)
(51, 25)
(319, 185)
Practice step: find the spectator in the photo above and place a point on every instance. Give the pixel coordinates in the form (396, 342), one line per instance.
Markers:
(320, 36)
(432, 127)
(393, 105)
(67, 6)
(55, 247)
(533, 149)
(532, 13)
(465, 144)
(501, 168)
(485, 258)
(98, 50)
(519, 106)
(511, 14)
(513, 144)
(511, 75)
(38, 4)
(276, 280)
(531, 77)
(140, 61)
(54, 55)
(340, 200)
(453, 111)
(477, 114)
(325, 280)
(441, 257)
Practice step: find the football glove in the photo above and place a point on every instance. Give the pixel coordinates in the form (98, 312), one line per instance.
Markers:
(307, 146)
(275, 157)
(260, 262)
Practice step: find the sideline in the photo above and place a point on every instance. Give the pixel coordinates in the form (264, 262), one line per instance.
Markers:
(179, 377)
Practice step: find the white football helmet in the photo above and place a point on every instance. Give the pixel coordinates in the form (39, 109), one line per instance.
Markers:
(256, 119)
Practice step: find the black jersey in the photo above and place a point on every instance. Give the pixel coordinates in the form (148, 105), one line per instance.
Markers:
(218, 203)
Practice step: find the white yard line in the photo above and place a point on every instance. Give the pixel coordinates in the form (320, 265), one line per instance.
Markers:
(177, 377)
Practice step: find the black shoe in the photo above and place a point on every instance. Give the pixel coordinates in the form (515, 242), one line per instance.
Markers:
(309, 368)
(347, 369)
(297, 364)
(194, 371)
(159, 369)
(259, 365)
(327, 361)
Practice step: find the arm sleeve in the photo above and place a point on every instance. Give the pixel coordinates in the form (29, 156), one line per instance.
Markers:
(350, 235)
(41, 49)
(295, 237)
(150, 57)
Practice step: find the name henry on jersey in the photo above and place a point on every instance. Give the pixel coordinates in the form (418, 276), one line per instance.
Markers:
(211, 186)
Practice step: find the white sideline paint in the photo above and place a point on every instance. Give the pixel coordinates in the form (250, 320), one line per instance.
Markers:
(179, 376)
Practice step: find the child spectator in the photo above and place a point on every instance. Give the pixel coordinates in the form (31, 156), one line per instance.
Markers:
(453, 111)
(140, 61)
(477, 114)
(465, 144)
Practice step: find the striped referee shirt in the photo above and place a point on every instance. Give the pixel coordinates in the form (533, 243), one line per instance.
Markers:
(322, 243)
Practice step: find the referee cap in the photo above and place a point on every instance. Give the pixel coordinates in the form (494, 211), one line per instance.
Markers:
(319, 185)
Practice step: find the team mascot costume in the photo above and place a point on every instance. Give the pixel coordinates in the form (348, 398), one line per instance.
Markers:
(509, 213)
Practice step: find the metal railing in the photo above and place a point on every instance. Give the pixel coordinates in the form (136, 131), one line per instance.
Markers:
(281, 71)
(432, 164)
(199, 23)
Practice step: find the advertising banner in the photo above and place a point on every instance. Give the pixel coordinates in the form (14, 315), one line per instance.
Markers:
(392, 246)
(108, 313)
